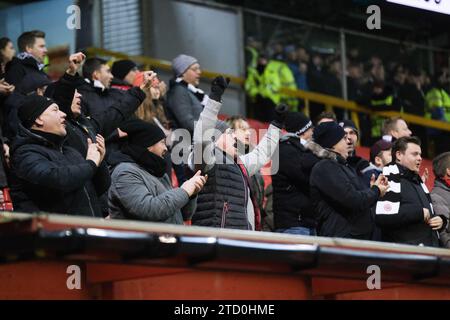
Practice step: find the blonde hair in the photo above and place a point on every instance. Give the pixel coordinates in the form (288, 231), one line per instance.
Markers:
(148, 110)
(233, 121)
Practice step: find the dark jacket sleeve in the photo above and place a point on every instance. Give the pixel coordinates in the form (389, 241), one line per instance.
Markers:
(109, 120)
(330, 179)
(15, 74)
(35, 167)
(291, 164)
(180, 106)
(102, 179)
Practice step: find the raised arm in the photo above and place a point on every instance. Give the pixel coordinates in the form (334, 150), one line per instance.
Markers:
(202, 157)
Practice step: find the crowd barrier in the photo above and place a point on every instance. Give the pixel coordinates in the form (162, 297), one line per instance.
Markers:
(42, 255)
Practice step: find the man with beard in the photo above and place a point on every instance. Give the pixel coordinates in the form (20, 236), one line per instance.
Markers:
(341, 205)
(140, 187)
(360, 165)
(51, 176)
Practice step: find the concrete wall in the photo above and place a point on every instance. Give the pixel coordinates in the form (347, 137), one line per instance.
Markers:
(212, 35)
(48, 16)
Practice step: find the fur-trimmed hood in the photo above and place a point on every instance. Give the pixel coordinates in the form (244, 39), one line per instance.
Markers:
(320, 151)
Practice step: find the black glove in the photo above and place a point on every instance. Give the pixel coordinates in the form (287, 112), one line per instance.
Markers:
(280, 115)
(218, 86)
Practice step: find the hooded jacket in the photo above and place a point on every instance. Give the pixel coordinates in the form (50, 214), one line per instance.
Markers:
(54, 178)
(342, 204)
(138, 195)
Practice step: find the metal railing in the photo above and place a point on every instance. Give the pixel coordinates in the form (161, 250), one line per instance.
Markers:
(330, 102)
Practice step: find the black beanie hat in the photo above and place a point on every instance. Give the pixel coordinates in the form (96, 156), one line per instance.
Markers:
(297, 122)
(121, 68)
(32, 81)
(63, 95)
(349, 124)
(328, 134)
(31, 108)
(142, 133)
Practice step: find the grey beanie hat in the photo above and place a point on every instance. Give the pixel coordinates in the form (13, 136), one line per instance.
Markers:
(181, 63)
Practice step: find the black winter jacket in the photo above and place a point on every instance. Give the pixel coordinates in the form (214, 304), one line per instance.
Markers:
(292, 205)
(342, 204)
(104, 123)
(11, 119)
(17, 69)
(96, 101)
(55, 178)
(399, 214)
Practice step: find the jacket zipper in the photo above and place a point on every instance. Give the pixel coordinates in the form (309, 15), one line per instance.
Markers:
(224, 213)
(89, 200)
(85, 191)
(245, 192)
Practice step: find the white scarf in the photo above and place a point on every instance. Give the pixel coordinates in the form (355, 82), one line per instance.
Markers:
(196, 91)
(24, 55)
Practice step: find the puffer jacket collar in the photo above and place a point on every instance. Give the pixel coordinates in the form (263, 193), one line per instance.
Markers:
(25, 136)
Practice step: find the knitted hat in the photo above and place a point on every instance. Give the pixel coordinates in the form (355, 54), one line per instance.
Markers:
(297, 122)
(121, 68)
(141, 133)
(349, 124)
(31, 108)
(380, 145)
(32, 81)
(181, 63)
(328, 134)
(63, 96)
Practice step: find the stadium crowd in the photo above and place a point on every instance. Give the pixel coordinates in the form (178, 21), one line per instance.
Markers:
(103, 141)
(398, 84)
